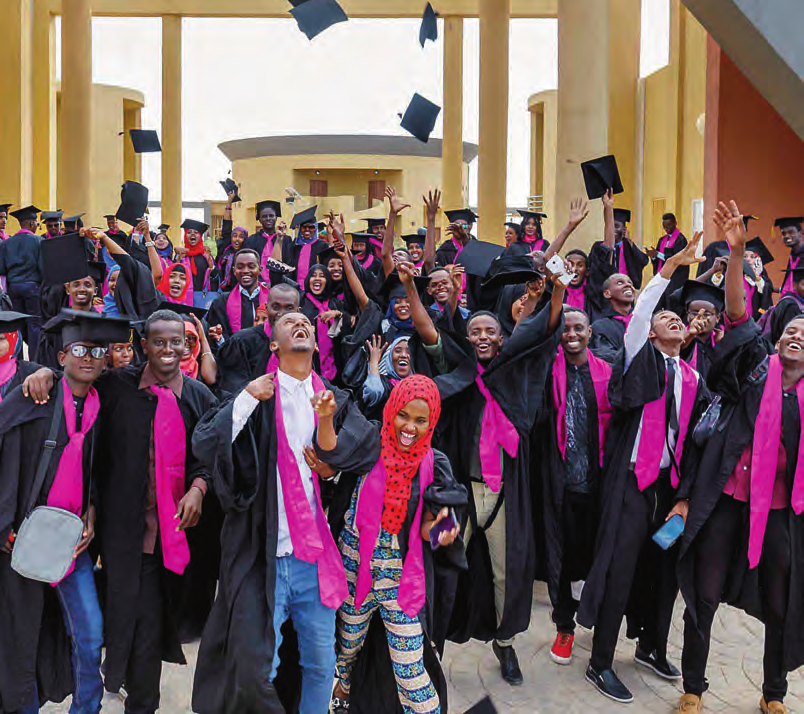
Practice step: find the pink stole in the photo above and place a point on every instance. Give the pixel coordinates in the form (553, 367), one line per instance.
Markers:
(369, 262)
(7, 370)
(266, 253)
(749, 297)
(576, 297)
(601, 374)
(536, 243)
(765, 451)
(170, 447)
(665, 244)
(625, 319)
(326, 354)
(792, 264)
(622, 266)
(234, 308)
(3, 235)
(310, 534)
(654, 431)
(273, 360)
(458, 249)
(412, 585)
(496, 431)
(303, 263)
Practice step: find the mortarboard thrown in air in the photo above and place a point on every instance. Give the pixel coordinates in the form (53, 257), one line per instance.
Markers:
(694, 290)
(757, 246)
(145, 141)
(268, 203)
(429, 27)
(228, 185)
(622, 214)
(315, 16)
(600, 175)
(193, 225)
(789, 222)
(29, 213)
(11, 321)
(78, 326)
(462, 214)
(305, 216)
(133, 203)
(420, 117)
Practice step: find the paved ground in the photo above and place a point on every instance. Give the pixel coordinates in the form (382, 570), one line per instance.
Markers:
(735, 673)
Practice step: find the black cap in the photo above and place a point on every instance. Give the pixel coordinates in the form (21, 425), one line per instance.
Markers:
(133, 203)
(465, 214)
(797, 273)
(29, 213)
(511, 270)
(184, 310)
(64, 259)
(693, 290)
(413, 238)
(392, 287)
(420, 117)
(97, 271)
(600, 175)
(268, 203)
(75, 326)
(51, 215)
(73, 223)
(517, 228)
(11, 321)
(163, 228)
(477, 256)
(145, 141)
(375, 222)
(193, 225)
(747, 218)
(789, 222)
(315, 16)
(757, 246)
(324, 256)
(228, 185)
(622, 214)
(362, 237)
(307, 215)
(429, 28)
(107, 216)
(5, 206)
(531, 214)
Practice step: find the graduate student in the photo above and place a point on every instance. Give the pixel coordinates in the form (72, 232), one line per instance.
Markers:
(234, 310)
(790, 230)
(703, 307)
(608, 331)
(13, 368)
(279, 557)
(673, 241)
(790, 306)
(198, 263)
(530, 234)
(39, 619)
(387, 366)
(740, 538)
(53, 224)
(326, 313)
(151, 492)
(363, 251)
(387, 553)
(303, 252)
(267, 242)
(459, 232)
(657, 400)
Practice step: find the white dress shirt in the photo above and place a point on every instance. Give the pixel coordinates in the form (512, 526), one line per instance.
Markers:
(299, 418)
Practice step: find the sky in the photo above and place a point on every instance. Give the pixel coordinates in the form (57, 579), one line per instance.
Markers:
(244, 78)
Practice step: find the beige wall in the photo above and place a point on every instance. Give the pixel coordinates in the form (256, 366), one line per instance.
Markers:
(544, 139)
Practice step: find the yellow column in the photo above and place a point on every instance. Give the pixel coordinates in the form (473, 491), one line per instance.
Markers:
(452, 151)
(171, 122)
(43, 106)
(493, 141)
(132, 161)
(15, 59)
(75, 132)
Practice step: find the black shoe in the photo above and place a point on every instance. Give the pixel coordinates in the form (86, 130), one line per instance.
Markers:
(509, 664)
(609, 685)
(660, 666)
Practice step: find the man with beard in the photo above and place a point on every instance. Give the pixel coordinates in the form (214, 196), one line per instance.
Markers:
(608, 331)
(236, 310)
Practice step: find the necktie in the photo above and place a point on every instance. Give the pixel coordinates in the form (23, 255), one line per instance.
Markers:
(671, 413)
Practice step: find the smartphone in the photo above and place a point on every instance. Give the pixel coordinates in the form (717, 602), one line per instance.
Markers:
(566, 278)
(669, 533)
(447, 524)
(555, 265)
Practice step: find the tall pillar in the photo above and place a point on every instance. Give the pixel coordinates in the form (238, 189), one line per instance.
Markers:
(43, 106)
(452, 148)
(75, 132)
(493, 144)
(132, 161)
(171, 121)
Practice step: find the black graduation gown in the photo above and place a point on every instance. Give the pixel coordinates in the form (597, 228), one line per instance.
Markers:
(237, 649)
(680, 275)
(628, 394)
(602, 263)
(135, 294)
(520, 247)
(738, 374)
(24, 370)
(291, 252)
(515, 379)
(218, 314)
(712, 251)
(447, 252)
(121, 473)
(34, 644)
(786, 309)
(699, 355)
(608, 336)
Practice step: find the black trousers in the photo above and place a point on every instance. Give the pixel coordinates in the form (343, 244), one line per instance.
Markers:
(144, 671)
(643, 513)
(714, 552)
(25, 298)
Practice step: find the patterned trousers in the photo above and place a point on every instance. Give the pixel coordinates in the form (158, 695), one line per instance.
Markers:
(405, 636)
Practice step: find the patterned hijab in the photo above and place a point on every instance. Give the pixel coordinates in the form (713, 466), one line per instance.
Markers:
(402, 466)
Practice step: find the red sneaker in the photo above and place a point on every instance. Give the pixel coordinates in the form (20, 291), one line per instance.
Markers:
(561, 651)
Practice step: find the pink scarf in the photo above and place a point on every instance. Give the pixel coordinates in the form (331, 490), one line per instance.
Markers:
(622, 266)
(749, 297)
(496, 431)
(654, 430)
(458, 249)
(170, 447)
(7, 371)
(601, 373)
(369, 262)
(576, 297)
(412, 585)
(693, 360)
(234, 309)
(273, 360)
(666, 244)
(792, 264)
(310, 534)
(303, 264)
(3, 235)
(326, 354)
(266, 253)
(765, 450)
(625, 319)
(536, 242)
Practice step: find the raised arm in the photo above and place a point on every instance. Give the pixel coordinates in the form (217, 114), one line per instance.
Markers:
(608, 221)
(153, 256)
(421, 320)
(208, 365)
(729, 220)
(579, 210)
(352, 278)
(431, 203)
(396, 206)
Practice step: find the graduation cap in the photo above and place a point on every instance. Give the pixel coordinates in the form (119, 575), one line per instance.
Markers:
(107, 216)
(531, 214)
(515, 226)
(163, 228)
(600, 175)
(308, 214)
(392, 287)
(64, 259)
(484, 706)
(184, 310)
(11, 321)
(315, 16)
(477, 256)
(362, 237)
(622, 214)
(511, 270)
(429, 28)
(145, 141)
(325, 255)
(193, 225)
(78, 326)
(268, 203)
(51, 215)
(694, 290)
(413, 238)
(789, 222)
(5, 206)
(462, 214)
(73, 223)
(228, 185)
(97, 271)
(29, 213)
(133, 203)
(748, 218)
(375, 222)
(420, 117)
(757, 246)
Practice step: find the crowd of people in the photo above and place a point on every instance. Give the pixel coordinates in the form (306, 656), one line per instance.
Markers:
(326, 454)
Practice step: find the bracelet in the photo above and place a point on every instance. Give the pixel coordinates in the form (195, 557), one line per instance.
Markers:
(149, 244)
(199, 489)
(204, 354)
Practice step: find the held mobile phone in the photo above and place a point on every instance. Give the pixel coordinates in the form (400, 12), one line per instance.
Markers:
(669, 533)
(447, 524)
(555, 265)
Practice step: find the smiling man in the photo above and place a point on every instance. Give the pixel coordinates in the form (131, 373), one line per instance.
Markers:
(608, 332)
(790, 230)
(280, 558)
(235, 310)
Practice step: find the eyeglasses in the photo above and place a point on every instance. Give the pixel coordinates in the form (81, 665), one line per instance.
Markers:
(704, 313)
(82, 350)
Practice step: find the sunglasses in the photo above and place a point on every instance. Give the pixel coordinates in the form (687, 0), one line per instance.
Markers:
(82, 350)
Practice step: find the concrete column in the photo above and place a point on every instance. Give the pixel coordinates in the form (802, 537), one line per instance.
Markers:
(537, 150)
(493, 143)
(43, 106)
(452, 151)
(132, 161)
(75, 132)
(171, 122)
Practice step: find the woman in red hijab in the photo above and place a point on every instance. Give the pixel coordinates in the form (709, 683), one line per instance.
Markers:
(175, 285)
(13, 369)
(198, 362)
(388, 557)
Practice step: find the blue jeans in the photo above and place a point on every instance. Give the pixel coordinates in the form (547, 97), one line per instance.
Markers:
(84, 623)
(296, 595)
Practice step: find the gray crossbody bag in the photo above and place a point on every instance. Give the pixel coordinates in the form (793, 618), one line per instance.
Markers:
(46, 541)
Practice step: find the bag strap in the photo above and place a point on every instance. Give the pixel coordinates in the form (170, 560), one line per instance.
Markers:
(47, 449)
(497, 506)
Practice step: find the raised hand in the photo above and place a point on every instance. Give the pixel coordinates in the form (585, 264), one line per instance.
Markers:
(730, 221)
(579, 210)
(324, 404)
(454, 229)
(375, 347)
(431, 202)
(406, 272)
(396, 203)
(456, 273)
(608, 199)
(688, 255)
